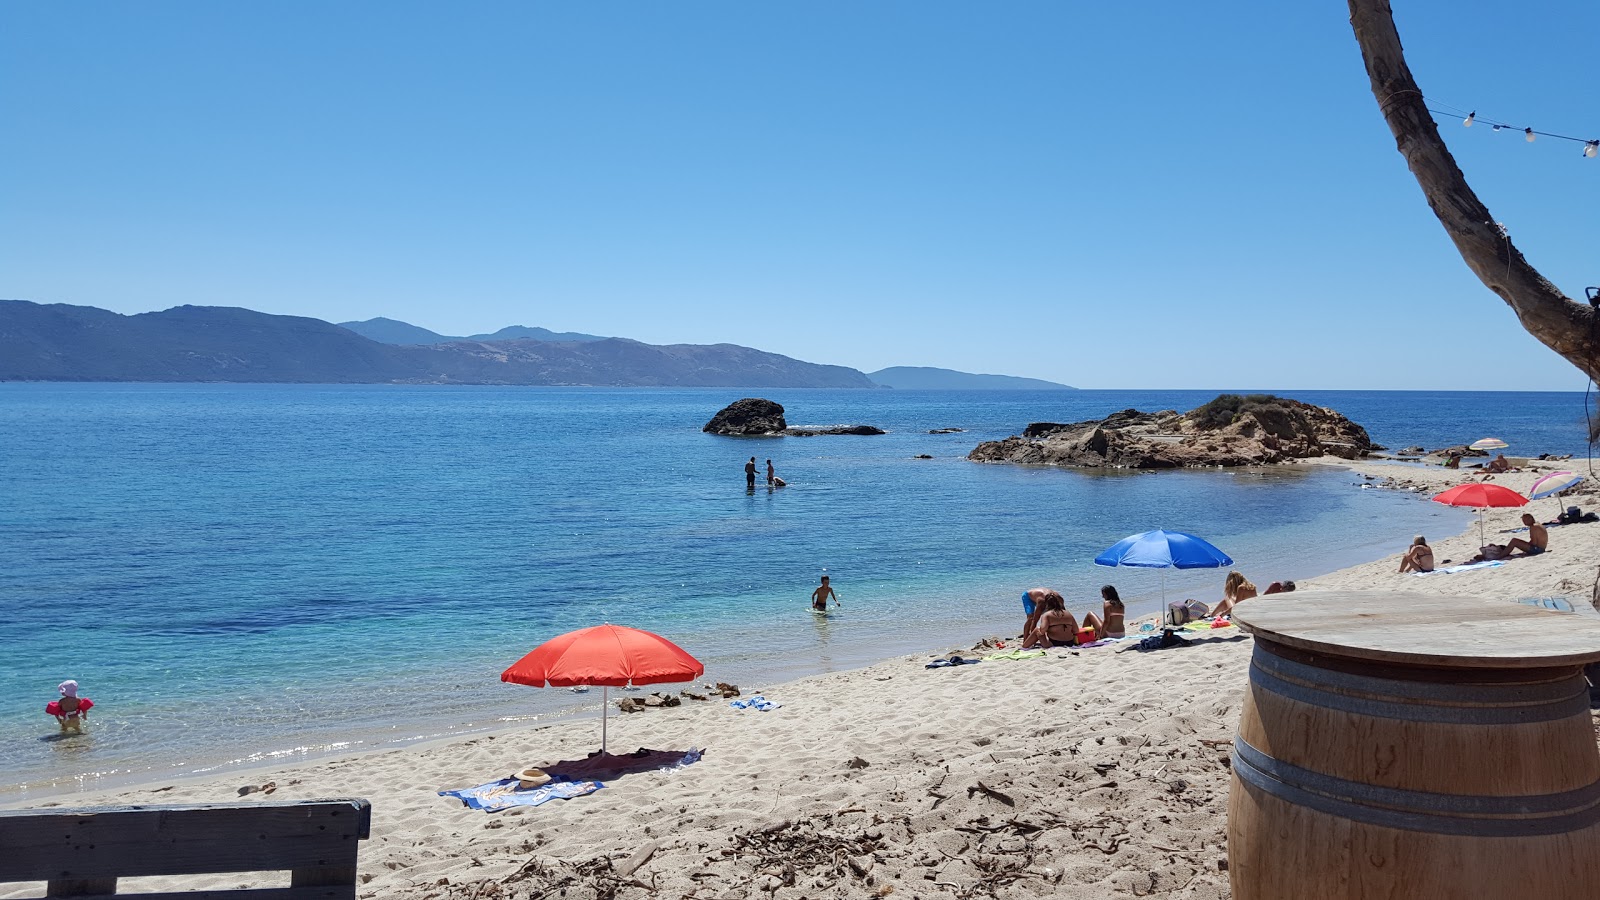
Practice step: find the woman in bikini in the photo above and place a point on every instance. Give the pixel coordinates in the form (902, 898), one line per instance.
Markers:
(1111, 626)
(1418, 557)
(1055, 626)
(1235, 588)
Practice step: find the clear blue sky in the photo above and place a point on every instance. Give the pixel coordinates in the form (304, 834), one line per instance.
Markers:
(1111, 195)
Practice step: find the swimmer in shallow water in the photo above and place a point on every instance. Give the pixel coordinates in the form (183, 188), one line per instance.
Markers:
(819, 597)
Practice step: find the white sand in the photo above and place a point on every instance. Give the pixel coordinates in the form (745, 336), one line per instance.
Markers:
(1084, 774)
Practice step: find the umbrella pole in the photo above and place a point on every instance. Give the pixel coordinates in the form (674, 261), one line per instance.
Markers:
(1163, 609)
(605, 707)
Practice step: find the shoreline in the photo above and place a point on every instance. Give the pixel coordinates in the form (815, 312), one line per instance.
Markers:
(970, 613)
(1114, 761)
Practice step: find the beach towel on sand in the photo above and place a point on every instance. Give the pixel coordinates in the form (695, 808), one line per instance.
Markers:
(607, 766)
(1017, 654)
(1486, 564)
(505, 793)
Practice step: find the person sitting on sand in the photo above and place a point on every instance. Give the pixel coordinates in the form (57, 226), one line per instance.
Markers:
(1112, 625)
(1418, 557)
(1055, 627)
(1538, 542)
(1235, 588)
(1538, 538)
(71, 711)
(1279, 587)
(1453, 462)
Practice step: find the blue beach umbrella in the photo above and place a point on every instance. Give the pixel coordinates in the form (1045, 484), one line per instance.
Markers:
(1163, 550)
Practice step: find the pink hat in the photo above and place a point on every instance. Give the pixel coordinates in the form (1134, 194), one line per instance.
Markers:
(69, 688)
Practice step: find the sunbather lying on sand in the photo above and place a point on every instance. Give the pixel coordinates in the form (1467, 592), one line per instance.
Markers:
(1499, 464)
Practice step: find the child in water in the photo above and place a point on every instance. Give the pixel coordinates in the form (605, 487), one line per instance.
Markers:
(71, 711)
(819, 597)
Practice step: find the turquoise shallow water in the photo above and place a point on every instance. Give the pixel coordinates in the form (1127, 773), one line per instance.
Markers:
(223, 567)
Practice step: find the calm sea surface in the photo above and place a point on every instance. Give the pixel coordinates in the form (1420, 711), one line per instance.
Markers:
(242, 574)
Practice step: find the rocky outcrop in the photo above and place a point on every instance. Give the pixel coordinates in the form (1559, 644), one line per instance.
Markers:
(755, 416)
(750, 416)
(835, 429)
(1229, 431)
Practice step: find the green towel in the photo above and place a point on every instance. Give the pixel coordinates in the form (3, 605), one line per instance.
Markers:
(1018, 654)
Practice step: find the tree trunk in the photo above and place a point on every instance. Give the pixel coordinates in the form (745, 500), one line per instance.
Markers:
(1564, 326)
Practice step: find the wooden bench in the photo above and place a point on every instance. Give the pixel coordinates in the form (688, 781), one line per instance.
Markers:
(82, 852)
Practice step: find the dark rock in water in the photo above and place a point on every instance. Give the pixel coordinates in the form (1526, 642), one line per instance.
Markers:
(750, 416)
(947, 431)
(836, 429)
(1414, 450)
(1229, 431)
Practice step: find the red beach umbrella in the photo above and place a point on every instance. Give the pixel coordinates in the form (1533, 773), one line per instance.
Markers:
(1480, 495)
(607, 655)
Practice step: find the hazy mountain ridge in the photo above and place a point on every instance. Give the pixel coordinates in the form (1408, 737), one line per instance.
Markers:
(931, 378)
(394, 331)
(58, 342)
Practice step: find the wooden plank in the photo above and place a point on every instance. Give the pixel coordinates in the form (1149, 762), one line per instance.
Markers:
(110, 842)
(1423, 629)
(330, 892)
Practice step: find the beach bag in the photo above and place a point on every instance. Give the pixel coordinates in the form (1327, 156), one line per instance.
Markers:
(1188, 611)
(1494, 551)
(1085, 636)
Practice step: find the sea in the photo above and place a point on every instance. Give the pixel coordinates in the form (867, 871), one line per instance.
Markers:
(250, 575)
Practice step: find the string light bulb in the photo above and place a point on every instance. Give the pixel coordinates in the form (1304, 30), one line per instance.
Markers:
(1591, 146)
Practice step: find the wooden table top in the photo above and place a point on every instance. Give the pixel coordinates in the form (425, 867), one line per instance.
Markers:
(1423, 629)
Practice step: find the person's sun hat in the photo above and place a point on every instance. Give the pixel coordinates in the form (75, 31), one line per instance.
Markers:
(68, 688)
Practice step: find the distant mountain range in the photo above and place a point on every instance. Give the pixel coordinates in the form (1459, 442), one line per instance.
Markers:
(57, 342)
(393, 331)
(928, 378)
(213, 343)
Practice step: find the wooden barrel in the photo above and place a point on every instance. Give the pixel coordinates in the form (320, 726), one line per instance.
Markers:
(1404, 746)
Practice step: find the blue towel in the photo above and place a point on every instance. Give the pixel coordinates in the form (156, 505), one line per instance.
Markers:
(505, 793)
(1486, 564)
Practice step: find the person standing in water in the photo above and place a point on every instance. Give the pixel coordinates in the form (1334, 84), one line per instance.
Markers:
(772, 475)
(750, 474)
(819, 597)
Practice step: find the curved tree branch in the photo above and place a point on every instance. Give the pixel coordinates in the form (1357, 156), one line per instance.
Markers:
(1564, 326)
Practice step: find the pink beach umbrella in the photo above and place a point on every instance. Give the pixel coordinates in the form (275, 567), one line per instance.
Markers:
(1553, 484)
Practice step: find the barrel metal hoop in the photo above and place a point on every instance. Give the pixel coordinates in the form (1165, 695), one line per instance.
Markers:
(1420, 702)
(1456, 814)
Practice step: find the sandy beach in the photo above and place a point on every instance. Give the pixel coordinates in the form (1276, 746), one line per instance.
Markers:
(1085, 773)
